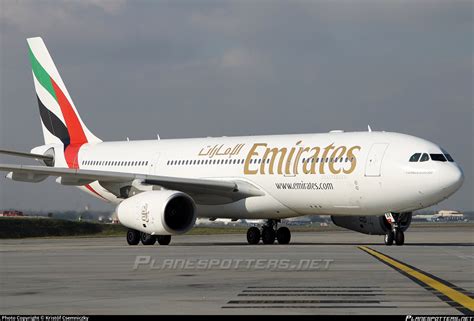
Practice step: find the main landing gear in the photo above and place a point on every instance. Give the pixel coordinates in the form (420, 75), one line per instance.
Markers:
(396, 233)
(268, 233)
(134, 237)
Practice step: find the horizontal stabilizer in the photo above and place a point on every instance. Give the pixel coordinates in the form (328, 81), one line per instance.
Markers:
(27, 155)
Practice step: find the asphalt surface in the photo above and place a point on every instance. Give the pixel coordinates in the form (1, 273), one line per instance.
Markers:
(318, 273)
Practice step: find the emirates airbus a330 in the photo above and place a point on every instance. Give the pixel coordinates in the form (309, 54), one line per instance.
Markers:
(369, 182)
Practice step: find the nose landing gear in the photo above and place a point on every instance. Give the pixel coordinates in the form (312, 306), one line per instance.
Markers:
(399, 237)
(396, 233)
(269, 233)
(388, 239)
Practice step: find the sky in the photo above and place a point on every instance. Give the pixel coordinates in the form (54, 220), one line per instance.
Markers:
(212, 68)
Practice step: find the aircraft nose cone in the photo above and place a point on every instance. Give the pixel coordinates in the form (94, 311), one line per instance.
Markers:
(451, 179)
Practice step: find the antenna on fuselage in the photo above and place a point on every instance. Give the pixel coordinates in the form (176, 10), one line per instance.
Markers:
(369, 129)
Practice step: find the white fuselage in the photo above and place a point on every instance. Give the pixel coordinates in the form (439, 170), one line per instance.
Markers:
(356, 173)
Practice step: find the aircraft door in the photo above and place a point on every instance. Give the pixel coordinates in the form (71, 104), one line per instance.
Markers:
(373, 165)
(153, 166)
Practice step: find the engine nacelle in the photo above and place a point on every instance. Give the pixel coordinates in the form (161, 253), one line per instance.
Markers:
(373, 225)
(161, 212)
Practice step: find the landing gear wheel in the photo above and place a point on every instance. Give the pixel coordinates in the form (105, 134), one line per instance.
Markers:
(147, 239)
(268, 235)
(253, 235)
(163, 239)
(399, 237)
(283, 235)
(388, 239)
(133, 237)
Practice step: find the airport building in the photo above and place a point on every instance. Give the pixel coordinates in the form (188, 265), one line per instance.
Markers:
(441, 216)
(11, 213)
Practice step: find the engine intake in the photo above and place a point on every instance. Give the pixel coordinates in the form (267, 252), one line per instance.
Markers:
(177, 213)
(162, 212)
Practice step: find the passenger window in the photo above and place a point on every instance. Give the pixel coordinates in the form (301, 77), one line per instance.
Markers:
(438, 157)
(415, 157)
(424, 158)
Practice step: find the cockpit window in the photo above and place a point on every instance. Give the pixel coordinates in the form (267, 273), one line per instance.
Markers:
(424, 157)
(438, 157)
(415, 157)
(449, 158)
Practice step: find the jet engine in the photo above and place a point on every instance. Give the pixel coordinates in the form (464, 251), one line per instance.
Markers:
(163, 212)
(373, 225)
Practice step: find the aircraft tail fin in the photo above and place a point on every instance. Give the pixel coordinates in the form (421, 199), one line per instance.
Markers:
(60, 120)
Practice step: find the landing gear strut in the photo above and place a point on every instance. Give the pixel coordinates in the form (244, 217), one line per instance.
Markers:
(396, 233)
(269, 233)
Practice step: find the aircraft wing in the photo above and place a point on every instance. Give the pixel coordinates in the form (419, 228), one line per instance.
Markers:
(204, 191)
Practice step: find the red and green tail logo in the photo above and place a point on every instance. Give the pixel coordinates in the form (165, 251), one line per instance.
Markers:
(50, 96)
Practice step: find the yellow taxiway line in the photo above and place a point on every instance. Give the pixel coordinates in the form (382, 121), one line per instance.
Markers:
(455, 295)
